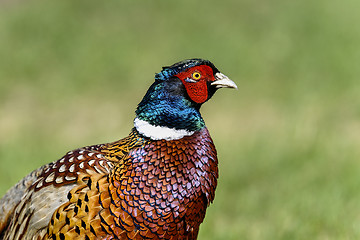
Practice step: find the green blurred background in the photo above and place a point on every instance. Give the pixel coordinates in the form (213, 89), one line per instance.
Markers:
(72, 73)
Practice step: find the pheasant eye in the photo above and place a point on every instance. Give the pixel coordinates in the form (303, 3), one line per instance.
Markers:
(196, 75)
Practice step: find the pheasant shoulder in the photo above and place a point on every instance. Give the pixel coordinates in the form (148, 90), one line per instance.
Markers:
(60, 199)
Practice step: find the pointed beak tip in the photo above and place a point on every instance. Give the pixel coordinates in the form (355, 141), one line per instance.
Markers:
(222, 81)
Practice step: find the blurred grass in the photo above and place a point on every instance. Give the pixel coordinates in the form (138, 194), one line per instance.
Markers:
(72, 72)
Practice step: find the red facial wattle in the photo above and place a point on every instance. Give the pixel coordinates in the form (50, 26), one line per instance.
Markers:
(197, 88)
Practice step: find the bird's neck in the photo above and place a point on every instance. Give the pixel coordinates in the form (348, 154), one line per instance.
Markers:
(162, 115)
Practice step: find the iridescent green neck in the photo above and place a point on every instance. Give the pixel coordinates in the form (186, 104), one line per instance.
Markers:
(164, 105)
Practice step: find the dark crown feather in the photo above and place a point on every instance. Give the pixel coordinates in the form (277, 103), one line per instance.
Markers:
(170, 71)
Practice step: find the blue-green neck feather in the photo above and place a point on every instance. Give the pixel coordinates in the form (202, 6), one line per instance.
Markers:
(165, 104)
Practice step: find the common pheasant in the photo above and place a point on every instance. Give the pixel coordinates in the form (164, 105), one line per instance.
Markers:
(155, 183)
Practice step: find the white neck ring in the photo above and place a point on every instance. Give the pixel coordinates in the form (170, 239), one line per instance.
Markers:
(159, 132)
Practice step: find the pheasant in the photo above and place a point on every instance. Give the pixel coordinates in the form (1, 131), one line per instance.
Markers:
(156, 183)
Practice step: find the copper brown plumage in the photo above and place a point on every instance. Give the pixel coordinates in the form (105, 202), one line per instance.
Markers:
(159, 187)
(154, 184)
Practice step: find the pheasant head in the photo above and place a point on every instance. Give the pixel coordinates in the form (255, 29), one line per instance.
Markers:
(170, 108)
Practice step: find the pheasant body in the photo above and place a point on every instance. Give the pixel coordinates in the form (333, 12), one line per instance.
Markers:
(154, 184)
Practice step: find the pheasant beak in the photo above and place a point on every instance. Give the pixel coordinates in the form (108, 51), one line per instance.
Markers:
(222, 81)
